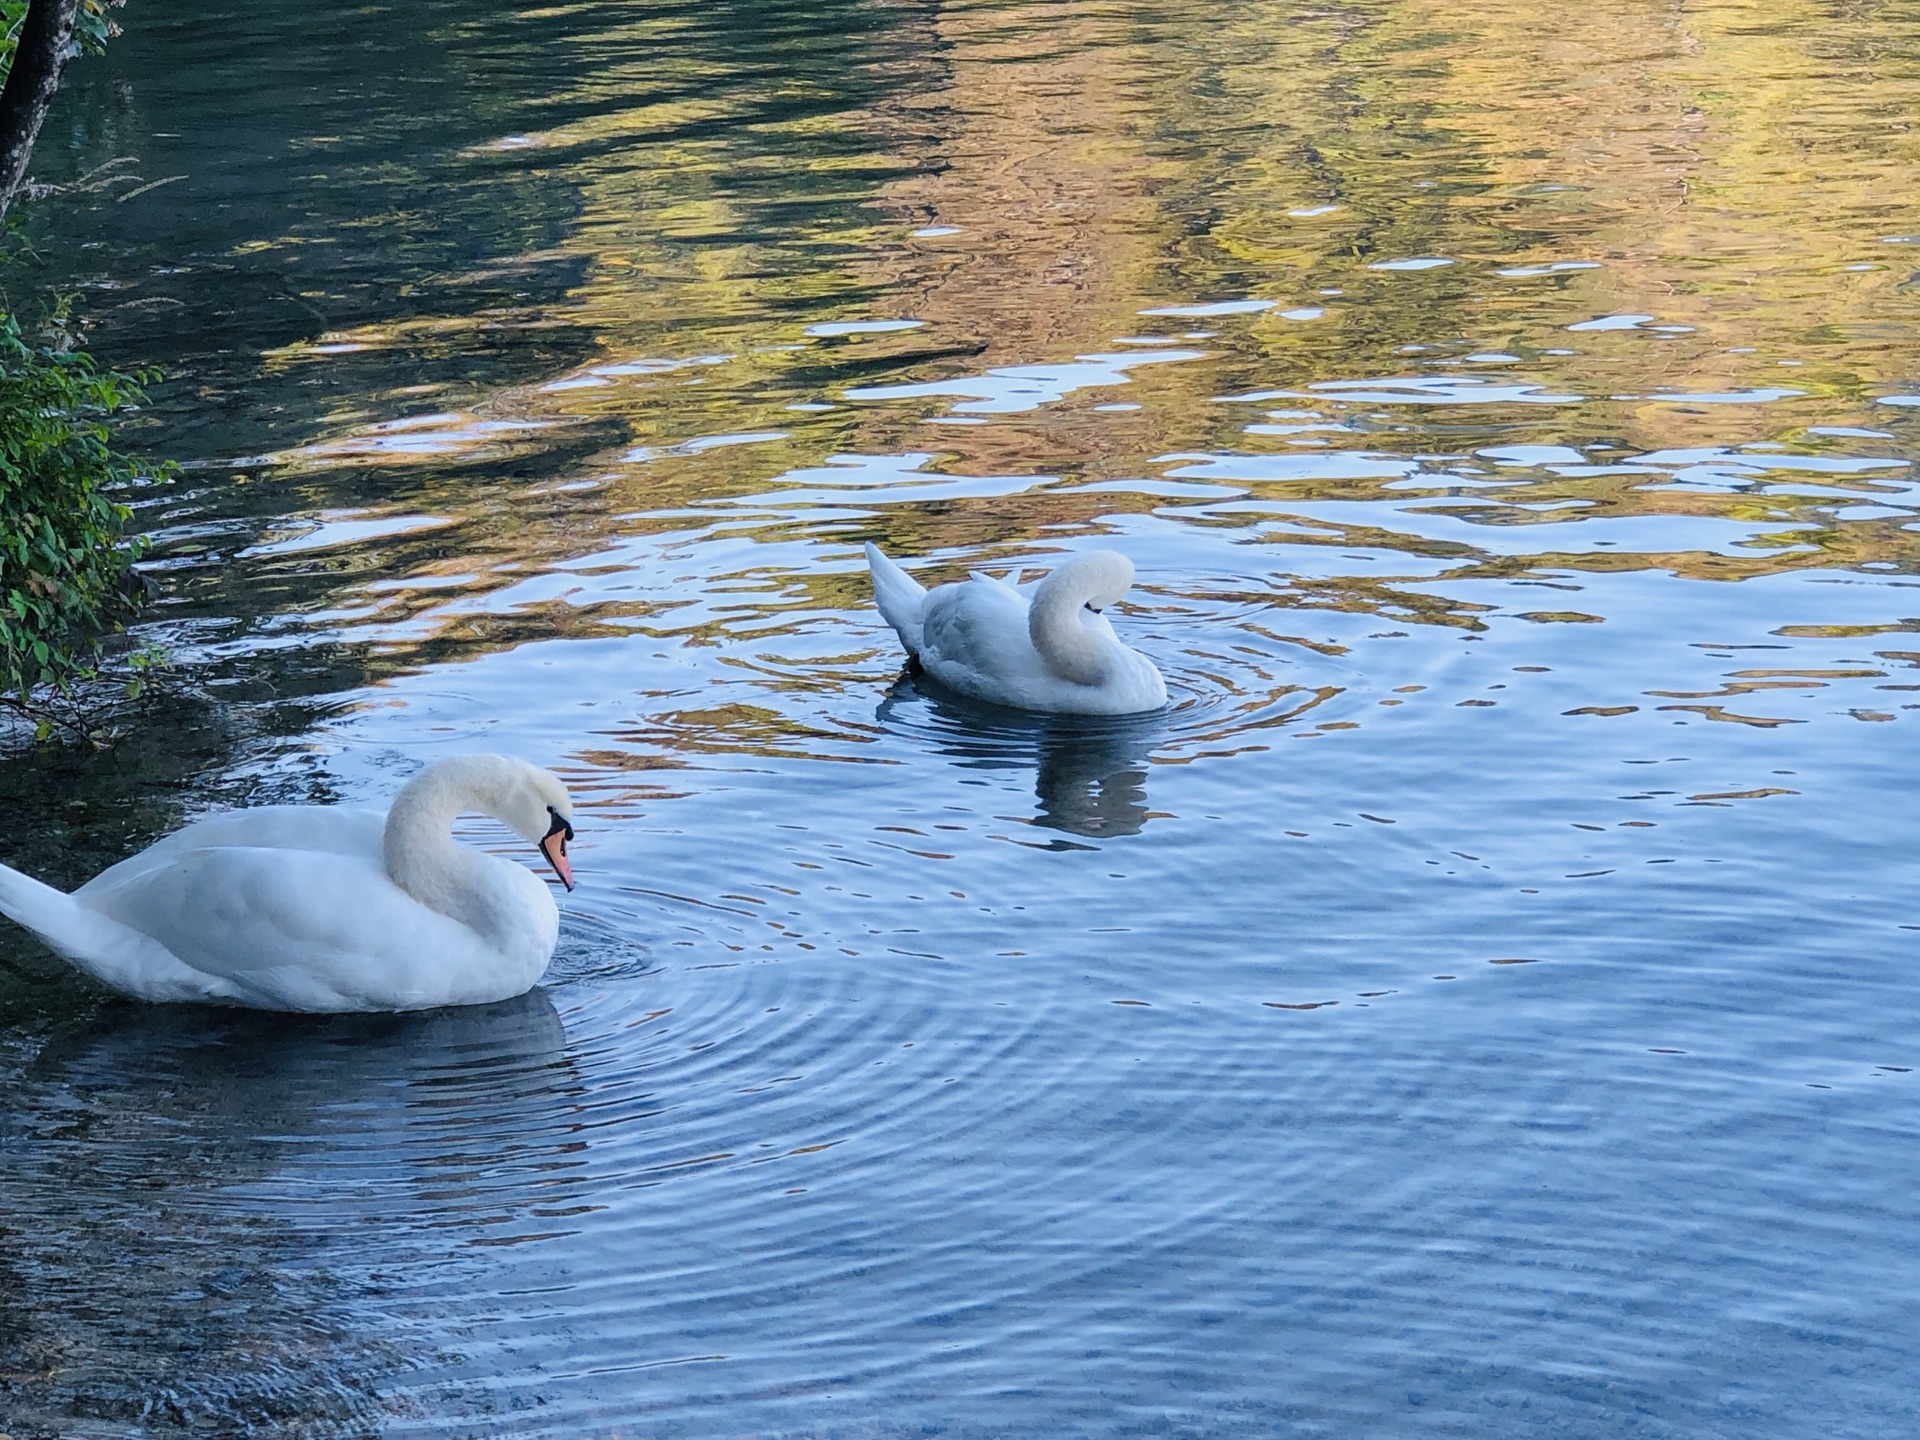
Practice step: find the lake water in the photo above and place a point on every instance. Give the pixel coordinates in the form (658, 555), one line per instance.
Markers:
(1482, 1005)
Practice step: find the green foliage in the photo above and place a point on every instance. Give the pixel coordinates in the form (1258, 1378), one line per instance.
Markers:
(66, 570)
(13, 14)
(64, 566)
(91, 27)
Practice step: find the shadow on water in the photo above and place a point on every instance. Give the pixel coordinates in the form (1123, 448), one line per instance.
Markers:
(246, 1192)
(1089, 772)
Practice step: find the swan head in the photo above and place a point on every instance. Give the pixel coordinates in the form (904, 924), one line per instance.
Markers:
(537, 807)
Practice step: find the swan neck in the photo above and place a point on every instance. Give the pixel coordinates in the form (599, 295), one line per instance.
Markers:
(1076, 643)
(421, 855)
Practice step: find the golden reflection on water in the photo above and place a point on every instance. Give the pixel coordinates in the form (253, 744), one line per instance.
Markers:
(1632, 235)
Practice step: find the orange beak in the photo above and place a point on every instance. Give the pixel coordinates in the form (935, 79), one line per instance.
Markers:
(553, 845)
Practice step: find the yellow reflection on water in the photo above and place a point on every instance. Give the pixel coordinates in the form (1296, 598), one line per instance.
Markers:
(1057, 238)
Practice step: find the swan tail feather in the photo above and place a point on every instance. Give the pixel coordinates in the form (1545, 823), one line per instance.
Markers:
(901, 599)
(118, 956)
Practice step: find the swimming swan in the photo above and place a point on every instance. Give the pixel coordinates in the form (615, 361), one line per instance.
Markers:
(1057, 653)
(324, 907)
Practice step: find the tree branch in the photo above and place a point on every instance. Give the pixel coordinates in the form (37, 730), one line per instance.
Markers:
(46, 39)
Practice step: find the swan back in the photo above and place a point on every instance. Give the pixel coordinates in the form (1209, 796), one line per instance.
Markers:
(1065, 623)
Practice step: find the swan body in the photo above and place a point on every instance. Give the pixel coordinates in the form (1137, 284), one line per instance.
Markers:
(1053, 652)
(324, 908)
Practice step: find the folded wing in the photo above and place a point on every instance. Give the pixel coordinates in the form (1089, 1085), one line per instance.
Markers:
(290, 929)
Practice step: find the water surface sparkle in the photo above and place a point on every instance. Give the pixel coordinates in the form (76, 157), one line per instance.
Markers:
(1411, 1031)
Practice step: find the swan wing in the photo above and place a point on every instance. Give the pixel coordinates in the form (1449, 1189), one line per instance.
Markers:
(340, 829)
(981, 577)
(977, 643)
(337, 829)
(310, 930)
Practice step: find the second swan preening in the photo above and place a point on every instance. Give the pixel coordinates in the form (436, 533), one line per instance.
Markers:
(1054, 652)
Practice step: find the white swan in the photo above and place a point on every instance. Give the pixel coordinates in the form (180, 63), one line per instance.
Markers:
(1057, 653)
(325, 908)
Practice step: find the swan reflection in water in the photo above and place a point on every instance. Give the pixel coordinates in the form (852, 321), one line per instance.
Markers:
(1090, 772)
(221, 1199)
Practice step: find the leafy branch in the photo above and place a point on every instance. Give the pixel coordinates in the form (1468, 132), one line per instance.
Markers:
(66, 568)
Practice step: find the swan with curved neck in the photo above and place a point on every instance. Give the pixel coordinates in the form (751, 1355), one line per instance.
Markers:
(324, 907)
(1053, 652)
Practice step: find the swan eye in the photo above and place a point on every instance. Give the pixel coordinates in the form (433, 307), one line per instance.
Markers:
(1093, 607)
(561, 826)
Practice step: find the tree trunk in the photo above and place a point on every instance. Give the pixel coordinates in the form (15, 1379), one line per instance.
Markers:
(46, 37)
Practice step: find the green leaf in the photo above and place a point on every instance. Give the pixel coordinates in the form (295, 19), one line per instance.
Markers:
(63, 554)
